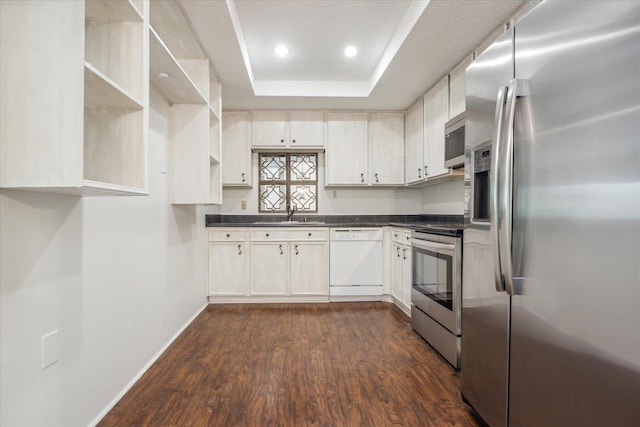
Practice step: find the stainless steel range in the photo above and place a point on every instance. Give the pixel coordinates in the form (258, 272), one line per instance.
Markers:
(436, 294)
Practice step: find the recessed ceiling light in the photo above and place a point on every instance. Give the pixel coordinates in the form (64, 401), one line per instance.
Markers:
(350, 51)
(281, 50)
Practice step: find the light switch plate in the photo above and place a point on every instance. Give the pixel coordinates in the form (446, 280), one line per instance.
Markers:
(243, 204)
(49, 349)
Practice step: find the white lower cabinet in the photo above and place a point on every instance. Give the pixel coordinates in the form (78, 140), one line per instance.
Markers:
(227, 263)
(269, 268)
(309, 268)
(401, 269)
(268, 264)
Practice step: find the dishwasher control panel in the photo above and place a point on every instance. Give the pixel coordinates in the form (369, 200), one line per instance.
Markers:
(366, 234)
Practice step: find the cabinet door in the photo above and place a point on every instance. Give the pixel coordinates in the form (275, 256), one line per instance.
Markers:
(236, 149)
(270, 129)
(414, 137)
(396, 271)
(436, 114)
(309, 268)
(457, 88)
(306, 129)
(227, 272)
(346, 158)
(406, 277)
(269, 268)
(387, 149)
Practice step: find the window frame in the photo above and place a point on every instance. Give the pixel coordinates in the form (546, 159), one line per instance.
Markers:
(287, 182)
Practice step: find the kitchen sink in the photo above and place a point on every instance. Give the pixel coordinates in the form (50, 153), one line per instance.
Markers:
(289, 223)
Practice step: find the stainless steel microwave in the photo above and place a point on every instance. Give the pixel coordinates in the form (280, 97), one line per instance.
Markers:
(454, 142)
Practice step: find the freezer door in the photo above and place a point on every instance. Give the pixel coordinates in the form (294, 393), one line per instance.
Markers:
(485, 312)
(575, 317)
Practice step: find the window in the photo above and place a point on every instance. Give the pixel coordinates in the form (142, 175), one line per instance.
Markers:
(288, 180)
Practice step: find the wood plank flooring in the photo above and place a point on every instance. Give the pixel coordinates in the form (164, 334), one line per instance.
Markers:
(338, 364)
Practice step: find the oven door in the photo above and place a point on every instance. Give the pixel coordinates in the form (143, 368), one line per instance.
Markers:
(436, 282)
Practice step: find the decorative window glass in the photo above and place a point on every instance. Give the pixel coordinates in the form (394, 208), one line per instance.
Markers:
(288, 180)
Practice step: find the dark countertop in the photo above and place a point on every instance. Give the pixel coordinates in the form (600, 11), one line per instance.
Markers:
(333, 221)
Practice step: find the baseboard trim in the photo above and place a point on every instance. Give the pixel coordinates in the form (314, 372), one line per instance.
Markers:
(144, 369)
(219, 299)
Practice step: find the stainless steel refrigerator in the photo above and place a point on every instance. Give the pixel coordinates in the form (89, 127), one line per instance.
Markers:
(551, 260)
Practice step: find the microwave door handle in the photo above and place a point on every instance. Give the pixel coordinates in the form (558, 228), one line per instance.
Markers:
(426, 244)
(506, 190)
(494, 187)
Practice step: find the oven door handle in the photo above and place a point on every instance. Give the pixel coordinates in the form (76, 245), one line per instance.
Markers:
(427, 244)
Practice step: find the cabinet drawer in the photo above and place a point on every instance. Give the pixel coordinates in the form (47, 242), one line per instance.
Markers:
(227, 235)
(286, 235)
(396, 235)
(406, 237)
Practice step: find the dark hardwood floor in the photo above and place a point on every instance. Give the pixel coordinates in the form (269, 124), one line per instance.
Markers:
(338, 364)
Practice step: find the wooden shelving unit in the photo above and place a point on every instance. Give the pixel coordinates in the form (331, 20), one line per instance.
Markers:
(75, 114)
(181, 72)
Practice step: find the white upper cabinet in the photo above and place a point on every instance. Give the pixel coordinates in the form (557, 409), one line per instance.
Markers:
(270, 129)
(346, 157)
(436, 114)
(387, 149)
(236, 149)
(293, 129)
(180, 71)
(457, 88)
(414, 143)
(306, 129)
(75, 124)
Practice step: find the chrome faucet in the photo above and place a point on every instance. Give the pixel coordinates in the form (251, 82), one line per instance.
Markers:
(290, 211)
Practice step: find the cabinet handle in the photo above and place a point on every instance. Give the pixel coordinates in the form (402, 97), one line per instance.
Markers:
(419, 172)
(404, 254)
(377, 178)
(281, 251)
(426, 171)
(408, 237)
(239, 249)
(297, 250)
(243, 177)
(361, 177)
(398, 251)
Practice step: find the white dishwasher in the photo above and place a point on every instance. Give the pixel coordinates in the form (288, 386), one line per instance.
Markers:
(355, 262)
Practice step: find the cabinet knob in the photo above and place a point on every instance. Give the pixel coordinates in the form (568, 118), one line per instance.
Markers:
(239, 249)
(282, 141)
(309, 234)
(281, 251)
(243, 177)
(395, 235)
(361, 177)
(294, 141)
(228, 235)
(377, 178)
(266, 234)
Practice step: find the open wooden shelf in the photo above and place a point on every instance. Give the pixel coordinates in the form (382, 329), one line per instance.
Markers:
(102, 92)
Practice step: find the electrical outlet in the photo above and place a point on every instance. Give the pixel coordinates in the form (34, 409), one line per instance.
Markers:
(243, 204)
(49, 349)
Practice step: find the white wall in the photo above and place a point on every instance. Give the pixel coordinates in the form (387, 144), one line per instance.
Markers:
(116, 276)
(446, 198)
(331, 201)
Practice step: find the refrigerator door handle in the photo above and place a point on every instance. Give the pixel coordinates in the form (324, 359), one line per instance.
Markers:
(505, 196)
(494, 189)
